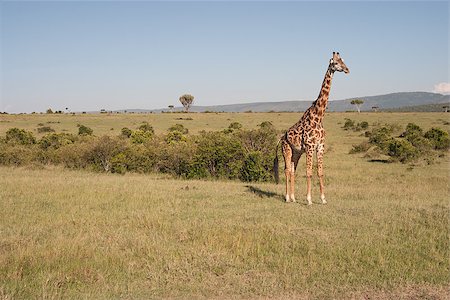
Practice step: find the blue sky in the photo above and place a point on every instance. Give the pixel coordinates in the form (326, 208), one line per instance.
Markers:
(117, 55)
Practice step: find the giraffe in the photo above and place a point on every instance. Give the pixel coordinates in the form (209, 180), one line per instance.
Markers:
(308, 135)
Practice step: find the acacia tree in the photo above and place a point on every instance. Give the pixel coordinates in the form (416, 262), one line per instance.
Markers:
(186, 100)
(357, 103)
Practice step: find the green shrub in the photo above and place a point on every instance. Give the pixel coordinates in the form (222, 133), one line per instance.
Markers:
(126, 132)
(101, 151)
(412, 128)
(420, 142)
(363, 125)
(380, 136)
(146, 127)
(253, 169)
(56, 140)
(218, 155)
(180, 128)
(235, 126)
(141, 136)
(439, 138)
(119, 163)
(348, 124)
(45, 129)
(266, 125)
(175, 136)
(363, 147)
(402, 150)
(20, 137)
(84, 130)
(178, 159)
(17, 154)
(72, 155)
(351, 125)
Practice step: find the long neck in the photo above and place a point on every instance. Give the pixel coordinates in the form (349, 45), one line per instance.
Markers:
(322, 100)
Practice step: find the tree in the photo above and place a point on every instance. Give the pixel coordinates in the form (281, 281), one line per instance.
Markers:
(49, 111)
(171, 108)
(186, 100)
(357, 103)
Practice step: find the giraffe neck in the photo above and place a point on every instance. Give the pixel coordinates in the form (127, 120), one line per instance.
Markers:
(322, 100)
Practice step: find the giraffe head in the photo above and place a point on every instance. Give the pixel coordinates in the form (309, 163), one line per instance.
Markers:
(337, 64)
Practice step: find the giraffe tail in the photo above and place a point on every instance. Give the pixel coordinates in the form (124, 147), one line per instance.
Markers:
(275, 164)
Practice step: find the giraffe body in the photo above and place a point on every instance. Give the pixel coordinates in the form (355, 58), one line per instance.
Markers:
(308, 136)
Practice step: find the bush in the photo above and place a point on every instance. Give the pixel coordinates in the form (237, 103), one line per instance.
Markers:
(101, 152)
(412, 128)
(349, 124)
(19, 136)
(439, 138)
(146, 127)
(141, 136)
(119, 163)
(363, 125)
(402, 150)
(380, 136)
(45, 129)
(217, 155)
(239, 154)
(235, 126)
(175, 136)
(180, 128)
(72, 155)
(17, 154)
(56, 140)
(84, 130)
(363, 147)
(266, 125)
(409, 146)
(253, 169)
(126, 132)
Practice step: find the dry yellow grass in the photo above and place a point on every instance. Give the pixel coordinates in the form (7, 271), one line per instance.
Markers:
(76, 234)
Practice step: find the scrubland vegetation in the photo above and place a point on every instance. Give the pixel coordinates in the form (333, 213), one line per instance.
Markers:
(76, 225)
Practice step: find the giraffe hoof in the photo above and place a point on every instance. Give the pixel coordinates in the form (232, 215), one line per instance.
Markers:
(324, 202)
(293, 198)
(309, 203)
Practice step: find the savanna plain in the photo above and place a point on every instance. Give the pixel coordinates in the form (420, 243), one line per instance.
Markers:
(384, 233)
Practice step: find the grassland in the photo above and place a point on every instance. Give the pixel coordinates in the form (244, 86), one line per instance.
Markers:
(76, 234)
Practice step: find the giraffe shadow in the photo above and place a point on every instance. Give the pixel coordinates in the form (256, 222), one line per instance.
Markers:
(263, 194)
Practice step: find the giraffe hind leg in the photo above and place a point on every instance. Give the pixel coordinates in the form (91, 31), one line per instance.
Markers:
(287, 155)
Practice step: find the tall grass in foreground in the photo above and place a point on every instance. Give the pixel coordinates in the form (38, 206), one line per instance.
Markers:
(74, 234)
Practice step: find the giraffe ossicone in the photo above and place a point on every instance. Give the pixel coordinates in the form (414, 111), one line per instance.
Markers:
(308, 136)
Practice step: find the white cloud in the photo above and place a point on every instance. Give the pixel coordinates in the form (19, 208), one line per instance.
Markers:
(442, 88)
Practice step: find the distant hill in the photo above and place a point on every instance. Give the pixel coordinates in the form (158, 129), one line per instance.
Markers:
(397, 101)
(421, 108)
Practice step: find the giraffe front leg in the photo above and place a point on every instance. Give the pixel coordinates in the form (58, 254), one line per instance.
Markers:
(287, 155)
(320, 152)
(309, 167)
